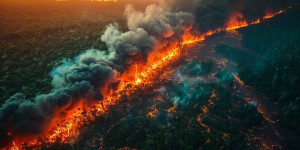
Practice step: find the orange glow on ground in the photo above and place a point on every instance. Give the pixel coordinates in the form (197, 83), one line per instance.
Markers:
(65, 129)
(237, 21)
(271, 15)
(238, 79)
(153, 113)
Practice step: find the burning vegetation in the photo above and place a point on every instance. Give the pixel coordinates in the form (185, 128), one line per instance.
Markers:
(134, 64)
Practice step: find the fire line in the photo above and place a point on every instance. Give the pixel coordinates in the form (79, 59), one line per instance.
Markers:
(66, 131)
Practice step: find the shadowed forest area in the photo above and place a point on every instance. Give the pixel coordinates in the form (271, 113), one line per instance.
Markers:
(272, 63)
(276, 69)
(207, 99)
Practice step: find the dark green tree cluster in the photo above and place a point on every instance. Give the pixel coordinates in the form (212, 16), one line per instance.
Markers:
(276, 70)
(271, 62)
(187, 126)
(36, 36)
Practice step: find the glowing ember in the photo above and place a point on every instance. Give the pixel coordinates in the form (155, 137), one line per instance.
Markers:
(172, 109)
(66, 128)
(15, 147)
(271, 15)
(153, 113)
(238, 79)
(237, 21)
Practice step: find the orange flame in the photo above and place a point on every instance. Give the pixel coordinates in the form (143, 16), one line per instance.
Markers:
(64, 129)
(271, 15)
(237, 21)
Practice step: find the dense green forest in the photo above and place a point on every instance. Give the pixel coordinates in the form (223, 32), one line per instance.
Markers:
(271, 63)
(276, 70)
(188, 114)
(35, 37)
(209, 117)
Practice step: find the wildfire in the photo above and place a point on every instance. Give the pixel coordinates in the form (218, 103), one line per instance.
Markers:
(15, 147)
(153, 112)
(271, 15)
(237, 78)
(237, 21)
(65, 129)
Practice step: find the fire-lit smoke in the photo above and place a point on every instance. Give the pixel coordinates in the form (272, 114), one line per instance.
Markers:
(74, 81)
(213, 14)
(87, 80)
(153, 30)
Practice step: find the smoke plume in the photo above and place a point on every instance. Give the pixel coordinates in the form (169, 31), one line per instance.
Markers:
(74, 81)
(88, 76)
(151, 30)
(213, 14)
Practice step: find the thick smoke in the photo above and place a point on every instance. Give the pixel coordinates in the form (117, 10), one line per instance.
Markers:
(88, 76)
(126, 48)
(151, 30)
(74, 81)
(213, 14)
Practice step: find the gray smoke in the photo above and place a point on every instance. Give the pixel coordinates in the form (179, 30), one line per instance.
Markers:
(151, 30)
(74, 81)
(90, 74)
(212, 14)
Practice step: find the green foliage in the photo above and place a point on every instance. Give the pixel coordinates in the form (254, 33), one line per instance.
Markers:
(181, 129)
(275, 70)
(234, 54)
(36, 36)
(197, 69)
